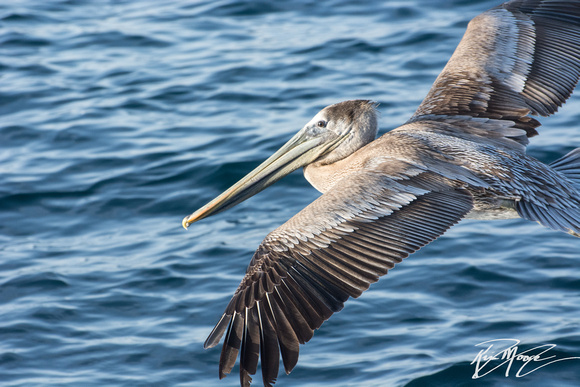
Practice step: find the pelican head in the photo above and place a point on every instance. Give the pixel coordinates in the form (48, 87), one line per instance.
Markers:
(334, 133)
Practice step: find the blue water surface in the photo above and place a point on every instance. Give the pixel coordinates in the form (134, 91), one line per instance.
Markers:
(118, 118)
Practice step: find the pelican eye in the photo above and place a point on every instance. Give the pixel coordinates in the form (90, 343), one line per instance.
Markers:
(321, 124)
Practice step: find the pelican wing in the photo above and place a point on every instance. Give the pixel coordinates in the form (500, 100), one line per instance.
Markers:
(520, 58)
(334, 249)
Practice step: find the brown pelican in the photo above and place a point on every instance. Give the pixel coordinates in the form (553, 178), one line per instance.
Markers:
(461, 154)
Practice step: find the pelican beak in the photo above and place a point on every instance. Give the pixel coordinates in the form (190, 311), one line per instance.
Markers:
(301, 150)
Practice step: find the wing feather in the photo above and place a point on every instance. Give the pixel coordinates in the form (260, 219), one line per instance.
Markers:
(287, 338)
(231, 345)
(250, 346)
(305, 270)
(520, 58)
(269, 349)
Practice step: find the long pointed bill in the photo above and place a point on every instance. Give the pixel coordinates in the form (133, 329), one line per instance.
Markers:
(301, 150)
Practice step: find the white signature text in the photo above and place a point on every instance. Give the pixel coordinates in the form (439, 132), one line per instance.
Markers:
(528, 361)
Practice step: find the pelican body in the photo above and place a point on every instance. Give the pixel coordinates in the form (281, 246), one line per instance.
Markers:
(462, 154)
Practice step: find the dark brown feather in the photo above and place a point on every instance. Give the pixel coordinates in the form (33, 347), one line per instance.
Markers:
(291, 288)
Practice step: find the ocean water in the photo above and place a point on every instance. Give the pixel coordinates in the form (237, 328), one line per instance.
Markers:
(118, 118)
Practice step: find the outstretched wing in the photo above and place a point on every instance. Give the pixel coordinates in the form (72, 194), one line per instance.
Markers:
(520, 58)
(334, 249)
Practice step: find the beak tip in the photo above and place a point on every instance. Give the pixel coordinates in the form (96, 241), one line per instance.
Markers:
(185, 223)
